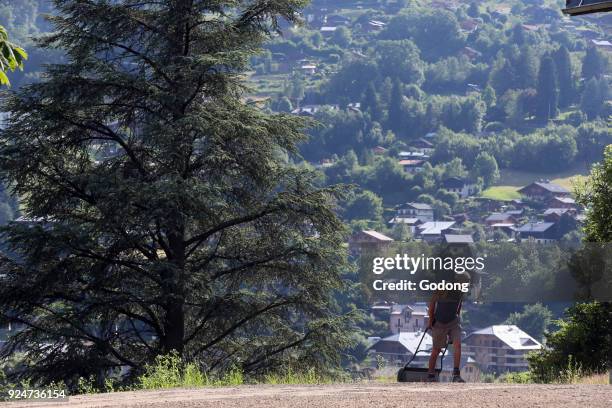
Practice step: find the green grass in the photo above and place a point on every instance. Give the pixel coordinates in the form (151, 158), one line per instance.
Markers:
(293, 378)
(170, 372)
(512, 180)
(501, 193)
(569, 182)
(520, 178)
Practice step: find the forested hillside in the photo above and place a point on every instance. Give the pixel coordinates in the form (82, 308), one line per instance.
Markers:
(492, 85)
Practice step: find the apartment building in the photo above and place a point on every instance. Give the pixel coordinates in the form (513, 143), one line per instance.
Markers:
(500, 348)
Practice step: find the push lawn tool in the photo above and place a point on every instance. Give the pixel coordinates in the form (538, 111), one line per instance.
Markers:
(418, 374)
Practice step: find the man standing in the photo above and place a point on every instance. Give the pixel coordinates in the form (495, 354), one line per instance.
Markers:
(444, 322)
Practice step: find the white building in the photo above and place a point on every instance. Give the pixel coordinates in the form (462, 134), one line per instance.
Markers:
(459, 186)
(422, 211)
(434, 230)
(398, 348)
(408, 318)
(500, 348)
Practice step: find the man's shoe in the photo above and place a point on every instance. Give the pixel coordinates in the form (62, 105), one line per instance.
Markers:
(458, 379)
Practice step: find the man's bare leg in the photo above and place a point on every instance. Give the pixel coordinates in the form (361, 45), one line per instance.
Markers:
(457, 362)
(432, 361)
(457, 355)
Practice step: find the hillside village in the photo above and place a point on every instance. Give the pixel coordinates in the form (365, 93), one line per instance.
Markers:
(425, 143)
(545, 215)
(450, 160)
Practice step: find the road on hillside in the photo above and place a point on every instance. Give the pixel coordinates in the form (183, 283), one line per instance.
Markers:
(348, 395)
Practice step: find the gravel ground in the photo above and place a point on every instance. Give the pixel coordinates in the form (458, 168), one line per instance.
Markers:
(352, 395)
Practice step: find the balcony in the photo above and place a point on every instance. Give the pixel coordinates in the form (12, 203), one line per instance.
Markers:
(578, 7)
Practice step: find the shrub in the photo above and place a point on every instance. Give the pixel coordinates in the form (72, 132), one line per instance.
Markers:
(165, 373)
(517, 378)
(292, 377)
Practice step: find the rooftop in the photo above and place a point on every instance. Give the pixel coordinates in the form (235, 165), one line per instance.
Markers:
(417, 206)
(498, 217)
(514, 212)
(435, 227)
(566, 200)
(502, 225)
(419, 308)
(604, 43)
(377, 235)
(413, 154)
(458, 239)
(421, 143)
(551, 187)
(410, 341)
(535, 227)
(559, 211)
(512, 336)
(411, 162)
(454, 182)
(402, 220)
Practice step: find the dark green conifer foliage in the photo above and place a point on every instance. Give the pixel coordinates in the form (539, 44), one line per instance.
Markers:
(594, 64)
(563, 63)
(547, 91)
(165, 215)
(395, 108)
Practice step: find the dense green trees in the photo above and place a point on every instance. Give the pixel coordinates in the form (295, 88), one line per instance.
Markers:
(594, 64)
(396, 111)
(451, 75)
(596, 94)
(591, 140)
(596, 196)
(546, 151)
(547, 91)
(351, 81)
(371, 103)
(364, 206)
(584, 338)
(451, 146)
(485, 166)
(428, 29)
(342, 37)
(534, 320)
(527, 67)
(399, 60)
(565, 80)
(169, 216)
(582, 341)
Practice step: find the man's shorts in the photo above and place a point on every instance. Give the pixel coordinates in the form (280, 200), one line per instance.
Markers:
(442, 332)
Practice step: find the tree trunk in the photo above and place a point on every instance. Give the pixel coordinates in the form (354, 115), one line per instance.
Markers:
(174, 322)
(174, 327)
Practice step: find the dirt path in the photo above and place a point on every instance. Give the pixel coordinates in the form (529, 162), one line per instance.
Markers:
(353, 395)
